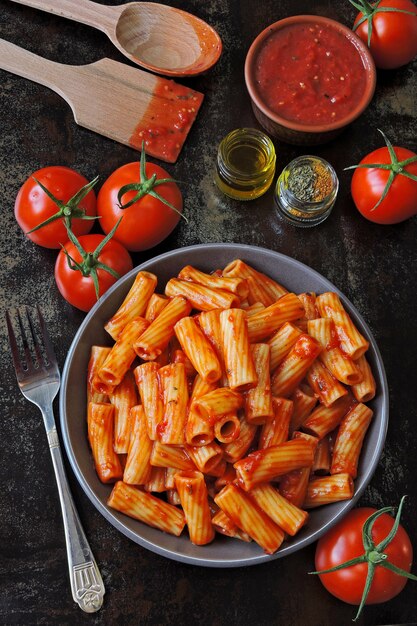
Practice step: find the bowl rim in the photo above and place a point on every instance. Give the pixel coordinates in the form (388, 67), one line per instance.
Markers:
(116, 518)
(367, 60)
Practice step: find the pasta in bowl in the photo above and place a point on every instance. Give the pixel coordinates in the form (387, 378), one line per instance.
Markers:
(241, 380)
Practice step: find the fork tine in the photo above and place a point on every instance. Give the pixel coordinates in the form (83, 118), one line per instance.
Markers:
(28, 356)
(36, 345)
(49, 350)
(13, 344)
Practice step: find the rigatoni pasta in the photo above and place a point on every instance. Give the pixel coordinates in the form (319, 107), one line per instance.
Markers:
(352, 342)
(238, 360)
(134, 305)
(192, 491)
(276, 428)
(198, 349)
(100, 423)
(304, 402)
(264, 465)
(147, 508)
(209, 322)
(156, 303)
(288, 516)
(281, 343)
(225, 526)
(227, 428)
(295, 366)
(267, 321)
(123, 398)
(234, 450)
(236, 285)
(98, 355)
(349, 440)
(325, 386)
(293, 486)
(328, 489)
(147, 381)
(175, 398)
(324, 419)
(337, 362)
(258, 400)
(272, 289)
(365, 390)
(156, 338)
(138, 467)
(250, 518)
(201, 298)
(251, 405)
(121, 356)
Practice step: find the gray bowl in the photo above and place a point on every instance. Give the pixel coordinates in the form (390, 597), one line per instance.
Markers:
(223, 552)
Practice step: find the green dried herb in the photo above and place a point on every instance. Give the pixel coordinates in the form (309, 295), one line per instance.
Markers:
(301, 183)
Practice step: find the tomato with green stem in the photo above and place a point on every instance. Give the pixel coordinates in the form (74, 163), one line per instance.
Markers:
(53, 198)
(147, 198)
(366, 558)
(87, 266)
(389, 28)
(384, 184)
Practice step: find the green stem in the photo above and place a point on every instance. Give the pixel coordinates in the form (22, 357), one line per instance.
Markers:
(383, 544)
(90, 260)
(373, 554)
(355, 561)
(369, 11)
(66, 210)
(395, 168)
(145, 186)
(398, 570)
(369, 578)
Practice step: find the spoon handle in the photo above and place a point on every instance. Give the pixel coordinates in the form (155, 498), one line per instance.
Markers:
(62, 79)
(29, 65)
(84, 11)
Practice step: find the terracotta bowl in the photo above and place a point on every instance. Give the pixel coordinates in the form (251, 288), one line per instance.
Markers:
(295, 132)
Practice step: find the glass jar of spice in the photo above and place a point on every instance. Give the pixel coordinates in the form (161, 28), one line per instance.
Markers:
(306, 191)
(245, 164)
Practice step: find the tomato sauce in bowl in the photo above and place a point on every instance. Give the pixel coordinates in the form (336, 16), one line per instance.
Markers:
(310, 73)
(308, 77)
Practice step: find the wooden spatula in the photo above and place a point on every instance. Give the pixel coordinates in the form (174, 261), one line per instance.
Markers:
(115, 100)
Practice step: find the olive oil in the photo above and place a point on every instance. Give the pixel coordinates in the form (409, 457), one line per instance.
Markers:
(245, 164)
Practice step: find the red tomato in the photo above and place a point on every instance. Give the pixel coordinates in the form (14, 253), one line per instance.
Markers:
(146, 222)
(344, 542)
(33, 206)
(368, 185)
(394, 34)
(79, 290)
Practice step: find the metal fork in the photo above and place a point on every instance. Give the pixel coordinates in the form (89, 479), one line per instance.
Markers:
(39, 382)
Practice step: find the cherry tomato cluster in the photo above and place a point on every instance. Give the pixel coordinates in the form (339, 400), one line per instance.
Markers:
(137, 207)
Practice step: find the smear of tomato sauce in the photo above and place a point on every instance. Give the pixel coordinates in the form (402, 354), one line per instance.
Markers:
(310, 73)
(306, 347)
(167, 120)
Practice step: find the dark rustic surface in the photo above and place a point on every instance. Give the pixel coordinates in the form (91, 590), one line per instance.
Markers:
(374, 266)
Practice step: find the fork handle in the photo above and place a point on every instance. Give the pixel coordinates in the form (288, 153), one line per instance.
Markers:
(86, 583)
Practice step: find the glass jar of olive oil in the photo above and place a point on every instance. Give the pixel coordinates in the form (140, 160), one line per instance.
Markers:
(306, 191)
(245, 164)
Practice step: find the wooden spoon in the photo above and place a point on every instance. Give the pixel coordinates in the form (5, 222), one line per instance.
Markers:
(115, 99)
(155, 36)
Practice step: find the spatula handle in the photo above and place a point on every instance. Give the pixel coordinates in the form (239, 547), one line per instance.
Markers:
(84, 11)
(24, 63)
